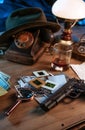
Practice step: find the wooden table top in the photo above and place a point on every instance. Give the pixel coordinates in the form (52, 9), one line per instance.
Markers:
(28, 115)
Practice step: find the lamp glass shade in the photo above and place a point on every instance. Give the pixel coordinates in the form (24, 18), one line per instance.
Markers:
(69, 9)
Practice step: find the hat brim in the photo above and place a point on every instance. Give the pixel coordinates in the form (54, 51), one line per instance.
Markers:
(4, 38)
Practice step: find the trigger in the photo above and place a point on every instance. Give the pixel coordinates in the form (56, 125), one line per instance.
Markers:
(74, 94)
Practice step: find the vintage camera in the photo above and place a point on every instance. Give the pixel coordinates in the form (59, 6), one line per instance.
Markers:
(79, 49)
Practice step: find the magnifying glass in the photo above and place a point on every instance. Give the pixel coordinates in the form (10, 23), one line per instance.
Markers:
(23, 94)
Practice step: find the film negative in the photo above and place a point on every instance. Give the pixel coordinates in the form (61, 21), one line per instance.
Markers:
(37, 82)
(40, 73)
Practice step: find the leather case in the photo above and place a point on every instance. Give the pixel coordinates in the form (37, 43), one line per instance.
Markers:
(79, 51)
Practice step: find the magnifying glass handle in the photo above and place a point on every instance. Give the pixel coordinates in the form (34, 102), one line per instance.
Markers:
(13, 107)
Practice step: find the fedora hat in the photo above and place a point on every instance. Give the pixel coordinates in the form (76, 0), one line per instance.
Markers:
(26, 18)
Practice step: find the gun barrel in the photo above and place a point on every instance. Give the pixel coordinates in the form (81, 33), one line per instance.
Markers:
(56, 97)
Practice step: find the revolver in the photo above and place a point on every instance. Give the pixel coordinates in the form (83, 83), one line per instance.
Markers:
(73, 88)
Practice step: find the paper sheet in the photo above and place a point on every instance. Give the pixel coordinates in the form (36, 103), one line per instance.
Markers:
(2, 91)
(79, 70)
